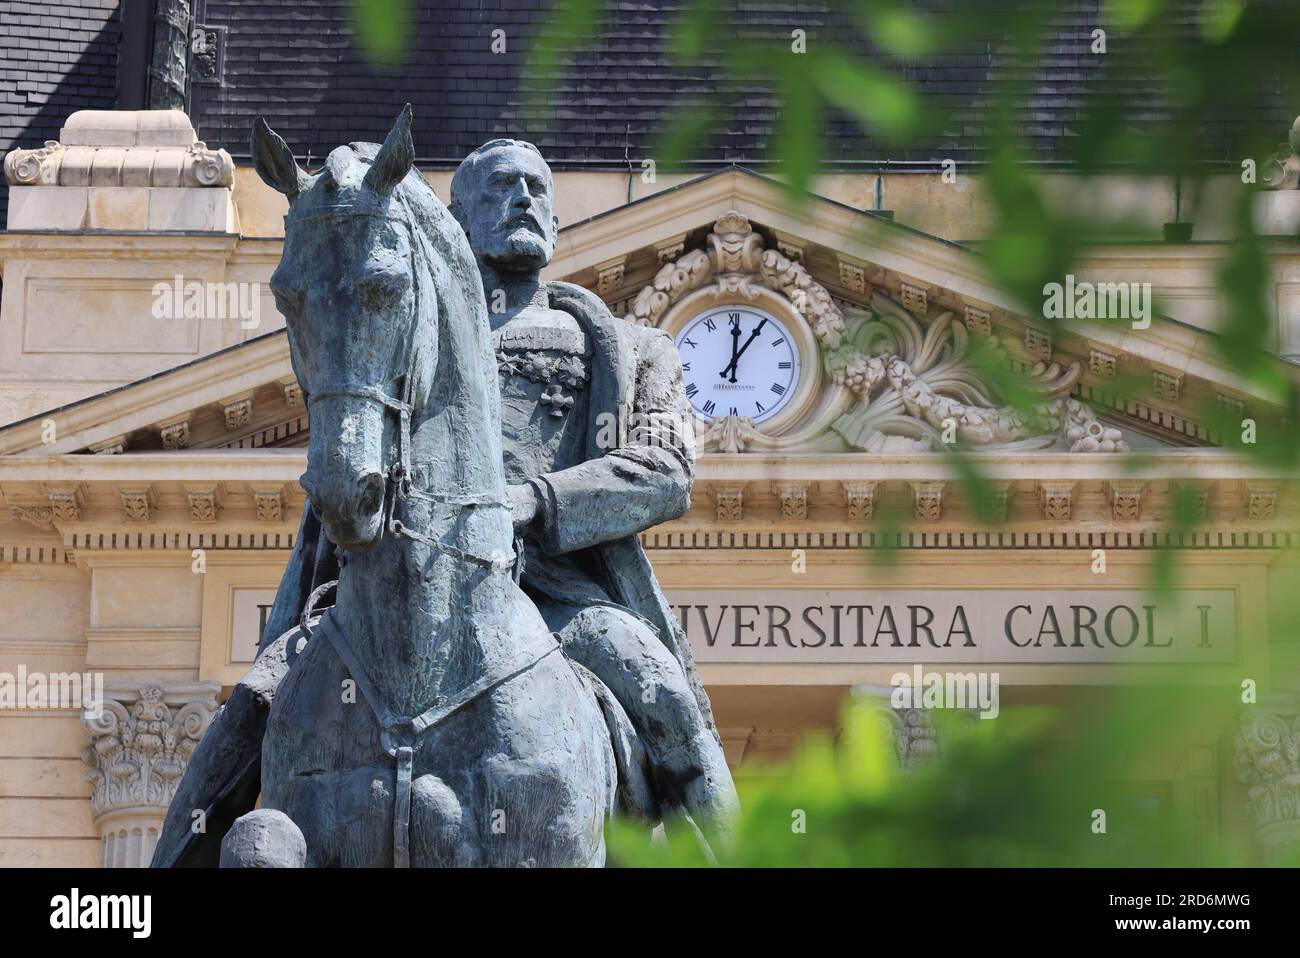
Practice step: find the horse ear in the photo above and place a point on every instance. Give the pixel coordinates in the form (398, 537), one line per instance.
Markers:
(395, 158)
(274, 160)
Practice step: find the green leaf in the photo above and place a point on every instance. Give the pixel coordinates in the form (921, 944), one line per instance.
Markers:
(383, 29)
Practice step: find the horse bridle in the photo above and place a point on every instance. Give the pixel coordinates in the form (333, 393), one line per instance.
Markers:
(399, 482)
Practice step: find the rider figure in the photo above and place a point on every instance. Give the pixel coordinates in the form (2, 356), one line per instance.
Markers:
(598, 446)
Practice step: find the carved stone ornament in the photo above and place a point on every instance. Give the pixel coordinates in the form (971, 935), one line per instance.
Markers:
(908, 373)
(1268, 761)
(1261, 502)
(730, 504)
(1057, 499)
(41, 517)
(146, 148)
(928, 500)
(1126, 500)
(979, 321)
(66, 504)
(140, 744)
(292, 393)
(1102, 363)
(1281, 171)
(1167, 386)
(270, 504)
(238, 412)
(794, 499)
(139, 748)
(175, 435)
(859, 500)
(915, 299)
(138, 502)
(205, 503)
(735, 261)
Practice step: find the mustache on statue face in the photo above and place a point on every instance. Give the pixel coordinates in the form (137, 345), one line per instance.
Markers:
(522, 219)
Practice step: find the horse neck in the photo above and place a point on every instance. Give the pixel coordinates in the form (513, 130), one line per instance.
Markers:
(417, 615)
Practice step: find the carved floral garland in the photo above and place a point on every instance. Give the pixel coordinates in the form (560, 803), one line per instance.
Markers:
(913, 379)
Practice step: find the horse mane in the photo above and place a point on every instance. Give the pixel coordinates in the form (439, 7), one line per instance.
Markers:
(464, 385)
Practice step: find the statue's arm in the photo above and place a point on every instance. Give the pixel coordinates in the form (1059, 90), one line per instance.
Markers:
(645, 481)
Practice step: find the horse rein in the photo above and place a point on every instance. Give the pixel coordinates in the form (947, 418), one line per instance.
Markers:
(398, 478)
(399, 735)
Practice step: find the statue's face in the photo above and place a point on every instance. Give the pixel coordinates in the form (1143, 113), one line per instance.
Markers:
(507, 211)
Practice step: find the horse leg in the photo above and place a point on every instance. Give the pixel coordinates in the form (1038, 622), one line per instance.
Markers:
(687, 762)
(441, 833)
(264, 838)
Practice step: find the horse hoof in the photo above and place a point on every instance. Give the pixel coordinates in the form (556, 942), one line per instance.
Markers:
(264, 838)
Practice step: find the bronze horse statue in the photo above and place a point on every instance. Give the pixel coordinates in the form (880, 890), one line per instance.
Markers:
(427, 717)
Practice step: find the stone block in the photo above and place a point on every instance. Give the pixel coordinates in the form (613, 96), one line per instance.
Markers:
(47, 207)
(178, 208)
(118, 208)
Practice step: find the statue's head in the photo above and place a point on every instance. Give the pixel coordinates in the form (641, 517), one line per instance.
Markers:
(502, 196)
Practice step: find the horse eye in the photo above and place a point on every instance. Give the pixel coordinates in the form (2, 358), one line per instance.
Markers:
(382, 288)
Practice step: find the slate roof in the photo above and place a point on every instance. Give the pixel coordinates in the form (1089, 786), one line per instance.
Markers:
(296, 64)
(56, 57)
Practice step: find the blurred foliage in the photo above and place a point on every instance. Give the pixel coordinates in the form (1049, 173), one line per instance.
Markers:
(383, 29)
(1023, 790)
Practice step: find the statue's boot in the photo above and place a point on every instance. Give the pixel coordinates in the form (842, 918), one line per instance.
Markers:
(264, 838)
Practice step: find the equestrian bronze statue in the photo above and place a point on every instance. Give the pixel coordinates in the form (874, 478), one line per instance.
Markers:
(469, 661)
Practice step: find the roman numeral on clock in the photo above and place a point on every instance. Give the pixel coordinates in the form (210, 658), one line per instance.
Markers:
(785, 365)
(709, 407)
(779, 341)
(692, 389)
(710, 325)
(760, 406)
(778, 389)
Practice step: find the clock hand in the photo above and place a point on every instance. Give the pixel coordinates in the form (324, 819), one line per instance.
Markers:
(735, 341)
(752, 336)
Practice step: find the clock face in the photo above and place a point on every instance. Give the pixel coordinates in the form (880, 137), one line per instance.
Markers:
(738, 361)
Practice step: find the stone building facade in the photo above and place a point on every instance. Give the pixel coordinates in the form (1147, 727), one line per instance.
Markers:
(152, 434)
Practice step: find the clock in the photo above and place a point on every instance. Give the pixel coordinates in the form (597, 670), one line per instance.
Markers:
(738, 361)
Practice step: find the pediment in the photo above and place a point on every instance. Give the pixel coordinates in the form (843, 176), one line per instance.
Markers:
(242, 397)
(897, 318)
(914, 347)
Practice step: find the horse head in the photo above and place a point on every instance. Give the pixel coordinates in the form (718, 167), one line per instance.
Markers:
(356, 294)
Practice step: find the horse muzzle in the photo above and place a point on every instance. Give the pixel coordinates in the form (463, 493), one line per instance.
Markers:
(351, 508)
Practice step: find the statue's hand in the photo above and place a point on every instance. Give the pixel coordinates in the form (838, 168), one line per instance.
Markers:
(524, 506)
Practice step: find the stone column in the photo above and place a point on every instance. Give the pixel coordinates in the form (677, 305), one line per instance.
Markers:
(139, 747)
(1268, 760)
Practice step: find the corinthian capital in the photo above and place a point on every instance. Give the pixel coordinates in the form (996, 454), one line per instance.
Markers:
(1268, 761)
(140, 744)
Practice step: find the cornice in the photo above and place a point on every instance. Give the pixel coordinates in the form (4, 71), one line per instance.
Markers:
(148, 401)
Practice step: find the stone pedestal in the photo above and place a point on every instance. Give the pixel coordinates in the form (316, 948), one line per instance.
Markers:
(1268, 760)
(139, 748)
